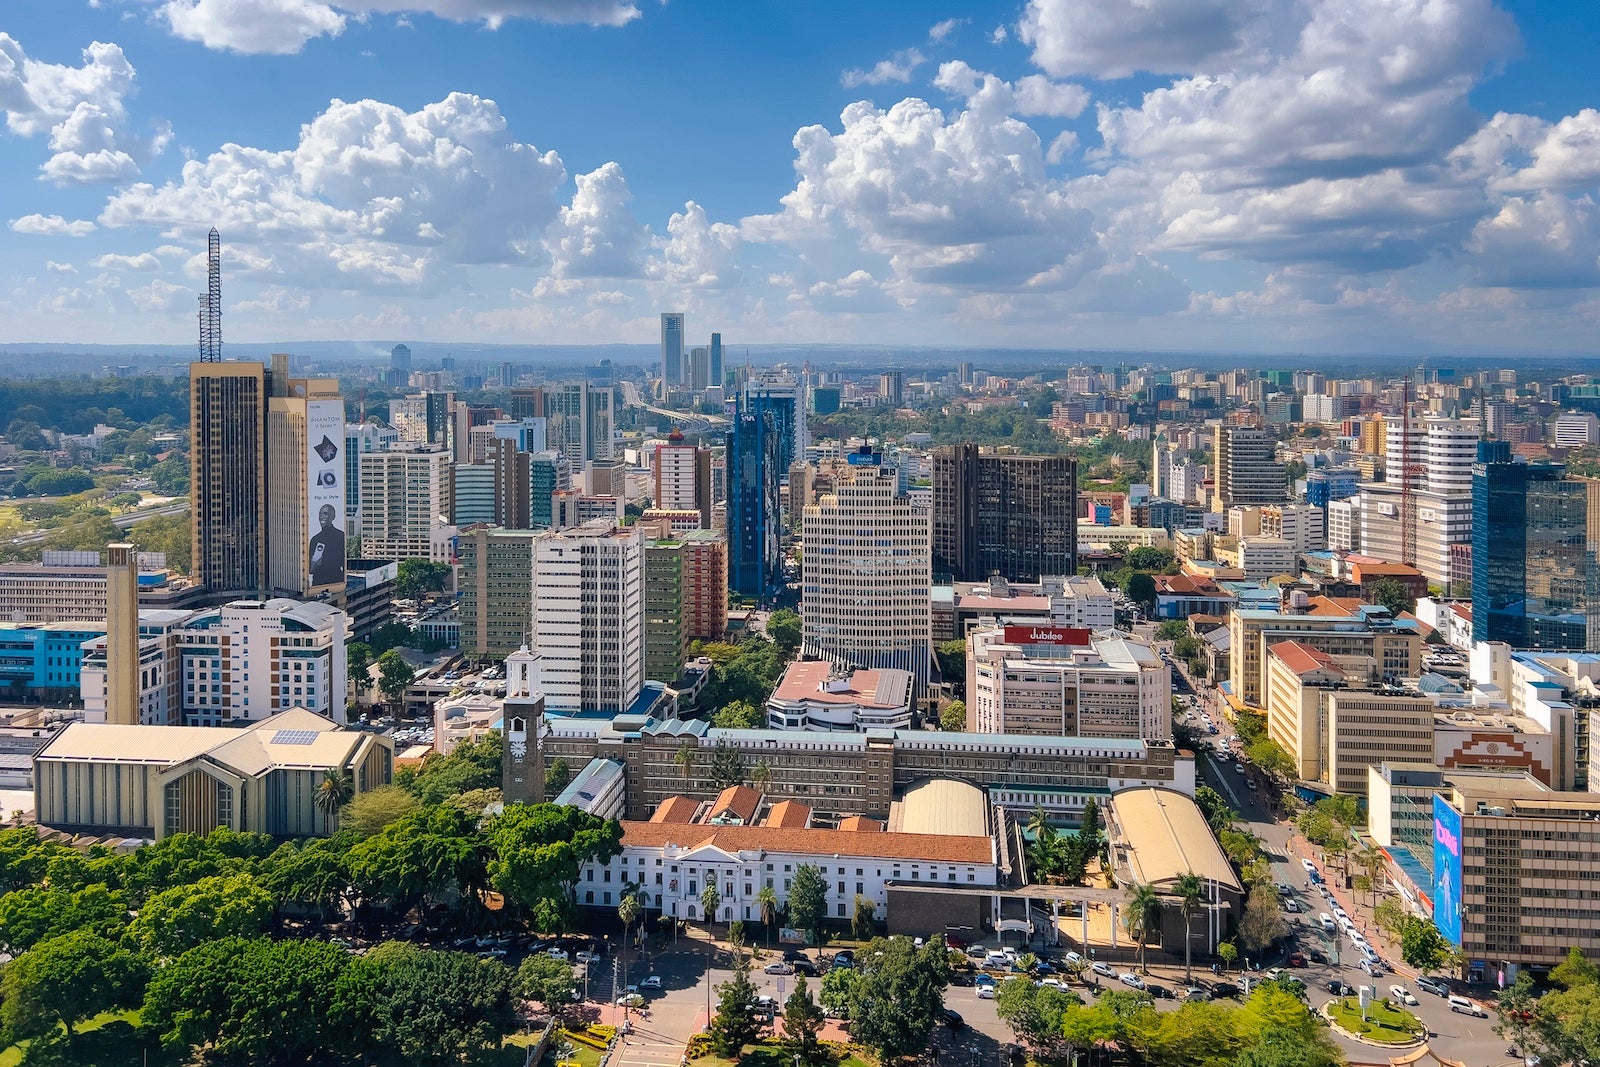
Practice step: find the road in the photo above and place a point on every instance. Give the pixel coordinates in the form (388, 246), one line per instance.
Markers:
(632, 398)
(132, 518)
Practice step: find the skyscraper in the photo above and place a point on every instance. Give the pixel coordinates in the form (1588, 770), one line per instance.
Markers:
(1534, 573)
(1012, 515)
(400, 359)
(307, 518)
(1246, 468)
(579, 421)
(753, 503)
(866, 572)
(716, 360)
(683, 477)
(588, 616)
(672, 369)
(228, 475)
(784, 398)
(403, 496)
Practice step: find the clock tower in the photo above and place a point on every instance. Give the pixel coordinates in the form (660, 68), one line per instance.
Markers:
(523, 730)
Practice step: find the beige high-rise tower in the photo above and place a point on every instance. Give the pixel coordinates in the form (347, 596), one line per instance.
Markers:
(306, 523)
(122, 635)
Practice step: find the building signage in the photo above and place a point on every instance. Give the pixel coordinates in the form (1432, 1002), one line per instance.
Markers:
(325, 552)
(1047, 635)
(1447, 870)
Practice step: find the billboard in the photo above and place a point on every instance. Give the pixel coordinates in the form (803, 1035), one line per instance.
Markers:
(1066, 636)
(325, 496)
(1447, 870)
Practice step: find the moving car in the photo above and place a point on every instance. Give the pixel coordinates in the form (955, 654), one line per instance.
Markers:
(986, 992)
(1433, 985)
(780, 968)
(630, 1000)
(1466, 1007)
(1101, 967)
(587, 957)
(1402, 995)
(952, 1018)
(1128, 978)
(1341, 989)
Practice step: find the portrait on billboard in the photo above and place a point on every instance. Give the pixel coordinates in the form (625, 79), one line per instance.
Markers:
(325, 492)
(327, 548)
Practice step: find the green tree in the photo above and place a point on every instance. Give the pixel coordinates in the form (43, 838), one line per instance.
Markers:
(1141, 589)
(1147, 558)
(802, 1027)
(1574, 971)
(334, 791)
(628, 910)
(370, 812)
(547, 980)
(557, 777)
(710, 901)
(1036, 1014)
(1172, 630)
(739, 715)
(808, 900)
(358, 658)
(37, 913)
(784, 627)
(313, 874)
(685, 758)
(394, 676)
(249, 1000)
(1190, 892)
(734, 1026)
(65, 979)
(427, 1007)
(418, 857)
(537, 851)
(1283, 1047)
(470, 765)
(1272, 759)
(1422, 946)
(838, 990)
(898, 998)
(1390, 916)
(1262, 924)
(1392, 594)
(761, 774)
(1228, 952)
(767, 899)
(727, 766)
(952, 658)
(175, 920)
(953, 717)
(862, 919)
(418, 577)
(1141, 916)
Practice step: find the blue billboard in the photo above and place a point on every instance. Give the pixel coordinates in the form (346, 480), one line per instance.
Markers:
(1447, 870)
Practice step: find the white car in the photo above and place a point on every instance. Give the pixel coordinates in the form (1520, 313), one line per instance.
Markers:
(1128, 978)
(1073, 958)
(1402, 995)
(651, 982)
(558, 953)
(1101, 967)
(986, 992)
(587, 957)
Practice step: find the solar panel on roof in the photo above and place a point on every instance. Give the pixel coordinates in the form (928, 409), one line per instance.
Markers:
(295, 737)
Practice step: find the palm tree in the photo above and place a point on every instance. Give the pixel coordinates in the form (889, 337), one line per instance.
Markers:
(684, 758)
(1037, 822)
(767, 897)
(628, 912)
(1371, 860)
(710, 900)
(333, 794)
(761, 774)
(1141, 916)
(1191, 895)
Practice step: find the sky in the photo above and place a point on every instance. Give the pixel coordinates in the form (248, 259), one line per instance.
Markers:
(1259, 176)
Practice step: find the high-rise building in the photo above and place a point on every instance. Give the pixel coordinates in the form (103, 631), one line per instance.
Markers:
(716, 360)
(405, 496)
(400, 359)
(496, 586)
(306, 470)
(754, 516)
(699, 370)
(1246, 468)
(783, 396)
(665, 623)
(228, 475)
(1534, 573)
(588, 616)
(683, 477)
(891, 388)
(1011, 515)
(672, 370)
(1057, 681)
(359, 439)
(549, 472)
(578, 416)
(866, 573)
(1441, 454)
(705, 585)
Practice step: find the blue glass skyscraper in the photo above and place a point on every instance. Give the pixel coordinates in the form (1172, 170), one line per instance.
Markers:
(754, 460)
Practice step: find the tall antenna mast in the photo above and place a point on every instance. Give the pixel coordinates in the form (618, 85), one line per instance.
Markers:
(211, 302)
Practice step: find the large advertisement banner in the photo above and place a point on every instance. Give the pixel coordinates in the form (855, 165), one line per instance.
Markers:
(325, 477)
(1447, 870)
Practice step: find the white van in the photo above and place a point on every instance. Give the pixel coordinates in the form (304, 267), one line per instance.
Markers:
(1466, 1007)
(1327, 922)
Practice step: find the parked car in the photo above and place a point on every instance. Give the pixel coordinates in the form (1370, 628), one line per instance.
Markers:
(805, 966)
(844, 958)
(1128, 978)
(1433, 985)
(1196, 993)
(1224, 989)
(1101, 967)
(651, 982)
(1291, 904)
(952, 1018)
(1073, 958)
(587, 957)
(1160, 992)
(630, 1000)
(780, 968)
(1297, 959)
(559, 953)
(986, 992)
(1341, 989)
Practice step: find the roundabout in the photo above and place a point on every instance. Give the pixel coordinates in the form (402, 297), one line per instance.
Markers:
(1387, 1025)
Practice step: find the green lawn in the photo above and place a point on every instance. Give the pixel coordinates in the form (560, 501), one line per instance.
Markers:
(1382, 1024)
(769, 1054)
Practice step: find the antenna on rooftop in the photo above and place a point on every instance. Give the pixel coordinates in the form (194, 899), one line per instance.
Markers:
(211, 302)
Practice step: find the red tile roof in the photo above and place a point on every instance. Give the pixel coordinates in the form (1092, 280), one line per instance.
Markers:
(938, 848)
(1303, 659)
(868, 689)
(860, 824)
(676, 810)
(788, 814)
(738, 800)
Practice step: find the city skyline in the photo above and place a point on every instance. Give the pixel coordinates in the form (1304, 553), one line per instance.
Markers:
(1361, 177)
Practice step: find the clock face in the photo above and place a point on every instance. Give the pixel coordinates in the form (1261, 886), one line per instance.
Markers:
(519, 749)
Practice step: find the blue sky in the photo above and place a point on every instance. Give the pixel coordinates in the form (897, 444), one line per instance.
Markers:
(1228, 175)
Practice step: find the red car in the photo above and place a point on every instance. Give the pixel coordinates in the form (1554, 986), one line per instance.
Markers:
(1297, 959)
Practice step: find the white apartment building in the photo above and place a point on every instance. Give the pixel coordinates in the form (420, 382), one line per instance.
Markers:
(241, 662)
(1441, 530)
(677, 465)
(1344, 525)
(866, 571)
(1054, 682)
(1302, 525)
(1442, 452)
(815, 695)
(1079, 601)
(1246, 467)
(404, 496)
(588, 616)
(1576, 429)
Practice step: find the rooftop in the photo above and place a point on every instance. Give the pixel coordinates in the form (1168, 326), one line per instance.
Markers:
(943, 806)
(937, 848)
(1303, 659)
(809, 680)
(1165, 836)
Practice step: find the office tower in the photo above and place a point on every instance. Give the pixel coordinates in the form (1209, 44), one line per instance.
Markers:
(522, 765)
(671, 350)
(705, 585)
(122, 635)
(665, 623)
(716, 360)
(754, 564)
(588, 616)
(400, 359)
(549, 472)
(1246, 468)
(1164, 456)
(228, 475)
(866, 572)
(784, 397)
(507, 375)
(699, 376)
(578, 417)
(683, 477)
(404, 497)
(496, 587)
(306, 519)
(1016, 516)
(891, 388)
(1533, 572)
(408, 415)
(359, 439)
(1441, 453)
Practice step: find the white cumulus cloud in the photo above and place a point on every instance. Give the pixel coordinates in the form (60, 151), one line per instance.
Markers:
(52, 226)
(282, 27)
(897, 68)
(1116, 38)
(597, 235)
